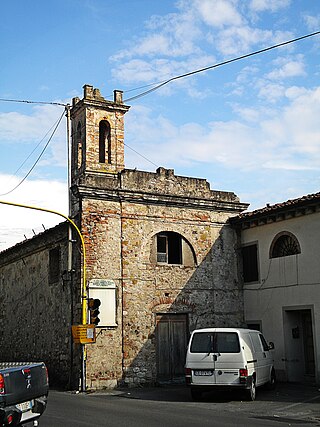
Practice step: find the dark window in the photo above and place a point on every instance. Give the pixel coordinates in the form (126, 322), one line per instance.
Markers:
(215, 342)
(284, 244)
(54, 265)
(264, 343)
(169, 248)
(250, 263)
(254, 326)
(162, 248)
(104, 141)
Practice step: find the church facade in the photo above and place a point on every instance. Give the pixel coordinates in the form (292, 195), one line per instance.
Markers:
(160, 255)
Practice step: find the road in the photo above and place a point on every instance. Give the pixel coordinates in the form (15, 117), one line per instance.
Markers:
(288, 405)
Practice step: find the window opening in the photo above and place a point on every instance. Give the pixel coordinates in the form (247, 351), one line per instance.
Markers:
(285, 244)
(250, 263)
(104, 141)
(169, 248)
(162, 248)
(79, 145)
(54, 265)
(264, 343)
(215, 342)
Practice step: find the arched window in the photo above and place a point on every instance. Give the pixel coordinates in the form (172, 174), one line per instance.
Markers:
(104, 141)
(171, 248)
(284, 244)
(79, 146)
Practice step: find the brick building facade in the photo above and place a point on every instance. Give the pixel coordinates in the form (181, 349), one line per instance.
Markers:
(158, 245)
(160, 255)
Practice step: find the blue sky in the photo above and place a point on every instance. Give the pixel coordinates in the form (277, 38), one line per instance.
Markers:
(251, 127)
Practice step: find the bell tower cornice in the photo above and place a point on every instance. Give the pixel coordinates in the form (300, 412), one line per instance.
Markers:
(97, 134)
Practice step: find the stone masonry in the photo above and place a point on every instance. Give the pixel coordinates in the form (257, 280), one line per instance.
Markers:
(39, 305)
(121, 212)
(159, 245)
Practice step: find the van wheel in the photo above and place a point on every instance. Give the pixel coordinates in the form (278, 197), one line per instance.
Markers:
(272, 383)
(196, 394)
(251, 392)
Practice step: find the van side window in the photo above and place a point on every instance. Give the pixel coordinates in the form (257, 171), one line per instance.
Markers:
(264, 343)
(215, 342)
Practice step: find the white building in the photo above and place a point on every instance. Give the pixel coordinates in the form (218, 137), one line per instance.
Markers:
(280, 248)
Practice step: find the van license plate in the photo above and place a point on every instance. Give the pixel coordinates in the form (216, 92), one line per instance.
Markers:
(25, 406)
(203, 373)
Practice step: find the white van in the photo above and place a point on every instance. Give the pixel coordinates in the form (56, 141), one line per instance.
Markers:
(228, 357)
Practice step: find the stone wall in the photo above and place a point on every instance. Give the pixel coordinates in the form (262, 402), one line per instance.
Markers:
(119, 229)
(37, 313)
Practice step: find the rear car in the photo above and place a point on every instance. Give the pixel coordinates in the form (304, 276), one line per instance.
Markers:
(222, 358)
(23, 392)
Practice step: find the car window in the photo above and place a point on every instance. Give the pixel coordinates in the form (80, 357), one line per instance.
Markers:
(215, 342)
(257, 344)
(264, 343)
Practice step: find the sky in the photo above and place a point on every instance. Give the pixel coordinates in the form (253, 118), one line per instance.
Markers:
(251, 126)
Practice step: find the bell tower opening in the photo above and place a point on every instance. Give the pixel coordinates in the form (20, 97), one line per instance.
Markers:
(97, 135)
(104, 142)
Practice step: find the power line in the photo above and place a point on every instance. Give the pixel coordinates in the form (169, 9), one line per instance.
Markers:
(33, 102)
(161, 84)
(28, 157)
(38, 158)
(257, 52)
(141, 155)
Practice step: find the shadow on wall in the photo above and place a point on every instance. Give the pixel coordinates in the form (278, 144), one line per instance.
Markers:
(167, 302)
(38, 300)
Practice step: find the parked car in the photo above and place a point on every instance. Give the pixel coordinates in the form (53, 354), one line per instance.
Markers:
(228, 358)
(24, 389)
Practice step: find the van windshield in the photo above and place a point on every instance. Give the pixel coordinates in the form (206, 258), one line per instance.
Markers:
(215, 342)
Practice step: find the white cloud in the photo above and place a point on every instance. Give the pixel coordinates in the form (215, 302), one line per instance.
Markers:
(286, 137)
(33, 132)
(17, 222)
(290, 68)
(219, 13)
(268, 5)
(312, 21)
(237, 40)
(18, 127)
(271, 92)
(169, 35)
(199, 30)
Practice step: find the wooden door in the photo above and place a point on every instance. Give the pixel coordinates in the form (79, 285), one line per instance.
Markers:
(171, 333)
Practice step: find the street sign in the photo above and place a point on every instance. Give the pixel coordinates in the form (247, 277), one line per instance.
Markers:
(84, 334)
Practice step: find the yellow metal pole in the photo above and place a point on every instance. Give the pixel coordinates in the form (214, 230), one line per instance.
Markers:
(84, 285)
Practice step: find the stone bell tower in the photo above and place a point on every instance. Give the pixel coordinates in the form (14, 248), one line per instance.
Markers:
(97, 135)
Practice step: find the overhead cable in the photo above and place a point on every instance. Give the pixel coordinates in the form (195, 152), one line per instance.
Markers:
(33, 102)
(257, 52)
(38, 158)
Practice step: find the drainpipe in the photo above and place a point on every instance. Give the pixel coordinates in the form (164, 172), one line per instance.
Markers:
(70, 252)
(121, 279)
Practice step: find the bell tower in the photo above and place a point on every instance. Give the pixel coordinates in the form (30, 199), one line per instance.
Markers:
(97, 142)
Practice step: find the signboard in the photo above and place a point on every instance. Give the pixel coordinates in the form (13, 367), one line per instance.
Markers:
(101, 283)
(106, 291)
(84, 334)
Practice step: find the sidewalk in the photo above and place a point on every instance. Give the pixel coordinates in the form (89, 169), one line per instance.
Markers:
(284, 392)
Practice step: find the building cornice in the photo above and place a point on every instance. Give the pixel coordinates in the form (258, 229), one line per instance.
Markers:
(121, 195)
(278, 212)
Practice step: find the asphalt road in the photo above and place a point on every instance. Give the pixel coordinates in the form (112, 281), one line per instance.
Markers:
(288, 405)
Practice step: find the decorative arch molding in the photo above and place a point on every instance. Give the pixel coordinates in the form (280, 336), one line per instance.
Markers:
(169, 247)
(171, 304)
(284, 244)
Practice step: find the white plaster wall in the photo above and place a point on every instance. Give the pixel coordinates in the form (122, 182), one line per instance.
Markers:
(291, 282)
